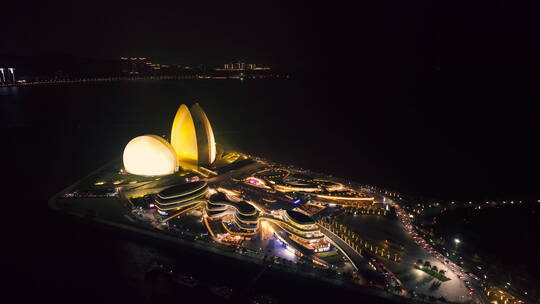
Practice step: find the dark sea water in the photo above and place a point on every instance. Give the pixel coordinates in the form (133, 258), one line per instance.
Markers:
(54, 135)
(445, 149)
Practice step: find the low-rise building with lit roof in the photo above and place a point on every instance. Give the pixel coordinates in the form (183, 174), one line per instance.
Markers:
(238, 218)
(180, 196)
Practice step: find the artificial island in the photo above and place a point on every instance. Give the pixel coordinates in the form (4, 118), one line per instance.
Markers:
(185, 187)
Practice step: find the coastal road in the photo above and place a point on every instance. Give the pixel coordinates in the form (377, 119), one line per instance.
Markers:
(356, 258)
(350, 253)
(379, 229)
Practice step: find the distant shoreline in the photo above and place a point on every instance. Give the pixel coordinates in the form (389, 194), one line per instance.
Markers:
(113, 79)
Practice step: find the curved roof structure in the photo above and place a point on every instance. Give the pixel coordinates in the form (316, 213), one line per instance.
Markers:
(182, 189)
(184, 138)
(242, 207)
(205, 136)
(300, 218)
(180, 196)
(149, 155)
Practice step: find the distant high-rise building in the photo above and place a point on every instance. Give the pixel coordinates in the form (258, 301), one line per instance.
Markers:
(12, 75)
(2, 76)
(242, 66)
(136, 66)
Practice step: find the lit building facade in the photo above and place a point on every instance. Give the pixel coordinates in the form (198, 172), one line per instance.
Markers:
(181, 196)
(7, 76)
(136, 66)
(12, 75)
(206, 143)
(192, 143)
(149, 155)
(242, 66)
(238, 218)
(284, 180)
(184, 138)
(301, 229)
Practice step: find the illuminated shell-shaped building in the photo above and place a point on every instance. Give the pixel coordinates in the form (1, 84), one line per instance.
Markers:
(205, 136)
(192, 137)
(192, 145)
(149, 155)
(184, 138)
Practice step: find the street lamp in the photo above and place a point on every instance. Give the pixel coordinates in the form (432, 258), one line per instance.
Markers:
(457, 241)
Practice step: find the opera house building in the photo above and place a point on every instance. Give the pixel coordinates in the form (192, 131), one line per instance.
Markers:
(192, 144)
(185, 188)
(150, 155)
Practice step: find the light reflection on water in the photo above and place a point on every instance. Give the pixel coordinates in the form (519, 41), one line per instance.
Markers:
(5, 91)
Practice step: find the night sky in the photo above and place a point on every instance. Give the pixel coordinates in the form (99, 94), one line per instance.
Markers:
(464, 73)
(424, 33)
